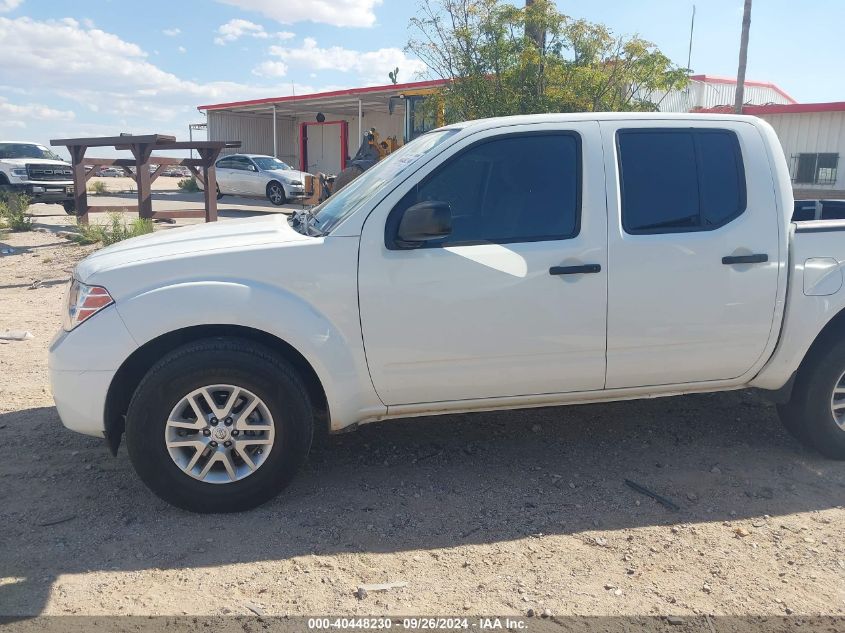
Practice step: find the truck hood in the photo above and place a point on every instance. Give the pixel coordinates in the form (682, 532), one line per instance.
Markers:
(23, 162)
(219, 237)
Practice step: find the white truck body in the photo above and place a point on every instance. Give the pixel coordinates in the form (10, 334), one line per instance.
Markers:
(33, 170)
(606, 312)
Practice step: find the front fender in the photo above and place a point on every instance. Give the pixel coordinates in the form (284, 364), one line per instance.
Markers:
(332, 345)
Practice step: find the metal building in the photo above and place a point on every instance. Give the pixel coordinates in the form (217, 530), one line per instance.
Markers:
(709, 91)
(318, 132)
(813, 139)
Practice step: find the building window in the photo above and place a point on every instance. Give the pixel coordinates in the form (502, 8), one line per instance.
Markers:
(815, 169)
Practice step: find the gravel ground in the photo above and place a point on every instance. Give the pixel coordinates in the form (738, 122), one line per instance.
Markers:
(482, 513)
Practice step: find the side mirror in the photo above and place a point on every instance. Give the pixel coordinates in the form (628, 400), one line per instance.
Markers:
(423, 222)
(253, 168)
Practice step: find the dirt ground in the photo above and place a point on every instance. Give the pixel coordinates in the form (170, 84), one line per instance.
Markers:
(497, 513)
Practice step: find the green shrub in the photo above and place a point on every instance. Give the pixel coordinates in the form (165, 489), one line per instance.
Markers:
(115, 230)
(98, 186)
(13, 211)
(188, 185)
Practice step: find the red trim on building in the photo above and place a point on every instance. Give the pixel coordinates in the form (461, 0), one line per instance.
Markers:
(775, 108)
(350, 92)
(713, 79)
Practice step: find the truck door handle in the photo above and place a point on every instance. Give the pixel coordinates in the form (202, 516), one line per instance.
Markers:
(757, 258)
(575, 270)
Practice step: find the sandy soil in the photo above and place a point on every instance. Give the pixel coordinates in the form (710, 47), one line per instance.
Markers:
(483, 513)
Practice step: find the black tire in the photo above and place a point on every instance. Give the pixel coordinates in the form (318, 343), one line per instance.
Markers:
(807, 415)
(69, 207)
(219, 195)
(276, 193)
(346, 176)
(219, 361)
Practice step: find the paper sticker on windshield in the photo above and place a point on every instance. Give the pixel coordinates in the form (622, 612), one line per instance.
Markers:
(398, 165)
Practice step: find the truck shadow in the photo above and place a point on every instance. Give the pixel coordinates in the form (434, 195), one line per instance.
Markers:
(413, 484)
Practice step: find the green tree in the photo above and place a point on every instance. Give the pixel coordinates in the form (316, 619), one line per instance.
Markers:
(502, 59)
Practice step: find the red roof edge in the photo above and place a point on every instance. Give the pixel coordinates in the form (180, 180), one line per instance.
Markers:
(757, 84)
(780, 108)
(432, 83)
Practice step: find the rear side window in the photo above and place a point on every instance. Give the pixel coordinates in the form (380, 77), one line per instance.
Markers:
(679, 180)
(516, 188)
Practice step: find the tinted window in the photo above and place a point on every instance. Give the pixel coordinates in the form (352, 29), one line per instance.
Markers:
(226, 163)
(516, 188)
(268, 162)
(241, 163)
(679, 180)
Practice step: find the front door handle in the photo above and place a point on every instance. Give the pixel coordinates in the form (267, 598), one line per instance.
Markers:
(575, 270)
(757, 258)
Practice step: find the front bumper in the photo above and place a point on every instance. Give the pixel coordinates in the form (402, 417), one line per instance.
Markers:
(45, 191)
(82, 365)
(81, 399)
(295, 191)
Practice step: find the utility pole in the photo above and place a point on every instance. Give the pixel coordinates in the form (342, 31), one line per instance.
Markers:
(533, 30)
(743, 58)
(691, 31)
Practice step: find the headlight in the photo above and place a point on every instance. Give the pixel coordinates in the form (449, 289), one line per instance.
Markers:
(20, 173)
(83, 302)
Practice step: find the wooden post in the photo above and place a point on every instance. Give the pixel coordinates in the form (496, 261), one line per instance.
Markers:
(142, 152)
(209, 173)
(80, 182)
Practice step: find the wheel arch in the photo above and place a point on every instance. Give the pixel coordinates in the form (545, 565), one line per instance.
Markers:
(834, 328)
(137, 364)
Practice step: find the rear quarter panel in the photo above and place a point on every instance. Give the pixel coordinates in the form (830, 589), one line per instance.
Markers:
(816, 295)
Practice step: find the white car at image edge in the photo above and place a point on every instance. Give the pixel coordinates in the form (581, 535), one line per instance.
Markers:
(257, 175)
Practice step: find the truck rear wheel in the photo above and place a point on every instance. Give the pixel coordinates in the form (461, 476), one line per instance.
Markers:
(815, 414)
(220, 425)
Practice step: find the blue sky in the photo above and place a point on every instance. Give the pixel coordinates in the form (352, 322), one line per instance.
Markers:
(92, 68)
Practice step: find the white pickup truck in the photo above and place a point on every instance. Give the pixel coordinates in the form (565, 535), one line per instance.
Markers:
(38, 173)
(504, 263)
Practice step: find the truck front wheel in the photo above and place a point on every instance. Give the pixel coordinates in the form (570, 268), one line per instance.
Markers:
(815, 414)
(70, 207)
(219, 425)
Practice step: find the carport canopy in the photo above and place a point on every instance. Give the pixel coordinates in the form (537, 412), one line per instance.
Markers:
(351, 102)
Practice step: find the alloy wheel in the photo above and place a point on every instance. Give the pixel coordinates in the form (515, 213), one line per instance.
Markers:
(219, 433)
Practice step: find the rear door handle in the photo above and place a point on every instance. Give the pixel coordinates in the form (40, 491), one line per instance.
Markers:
(584, 269)
(757, 258)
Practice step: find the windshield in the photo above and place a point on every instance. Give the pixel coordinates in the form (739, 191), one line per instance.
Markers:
(346, 201)
(266, 163)
(26, 150)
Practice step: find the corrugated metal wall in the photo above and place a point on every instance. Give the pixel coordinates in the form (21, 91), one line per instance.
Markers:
(255, 131)
(812, 132)
(706, 94)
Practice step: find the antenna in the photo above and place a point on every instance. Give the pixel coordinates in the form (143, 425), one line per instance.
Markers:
(691, 29)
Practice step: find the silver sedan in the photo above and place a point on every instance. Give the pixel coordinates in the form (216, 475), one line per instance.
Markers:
(259, 175)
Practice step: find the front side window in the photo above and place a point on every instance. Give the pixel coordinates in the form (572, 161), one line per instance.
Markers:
(517, 188)
(267, 163)
(679, 180)
(242, 163)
